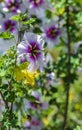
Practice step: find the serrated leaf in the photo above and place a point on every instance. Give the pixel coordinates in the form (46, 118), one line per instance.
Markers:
(30, 21)
(37, 30)
(2, 73)
(15, 18)
(6, 35)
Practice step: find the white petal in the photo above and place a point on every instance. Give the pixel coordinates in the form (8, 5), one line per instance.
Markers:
(30, 37)
(5, 9)
(21, 48)
(33, 67)
(40, 41)
(40, 61)
(36, 94)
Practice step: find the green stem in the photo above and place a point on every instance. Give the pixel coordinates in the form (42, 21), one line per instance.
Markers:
(68, 70)
(6, 104)
(10, 83)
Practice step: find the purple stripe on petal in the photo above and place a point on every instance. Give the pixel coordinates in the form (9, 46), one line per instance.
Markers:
(34, 51)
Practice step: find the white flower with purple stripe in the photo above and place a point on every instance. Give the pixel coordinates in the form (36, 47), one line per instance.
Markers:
(37, 8)
(51, 34)
(9, 25)
(36, 3)
(34, 6)
(38, 104)
(31, 47)
(39, 4)
(12, 5)
(34, 124)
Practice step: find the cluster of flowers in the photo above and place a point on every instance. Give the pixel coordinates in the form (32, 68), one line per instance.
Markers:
(35, 122)
(31, 47)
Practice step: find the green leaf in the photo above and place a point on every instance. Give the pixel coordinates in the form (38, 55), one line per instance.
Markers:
(30, 21)
(48, 14)
(6, 35)
(15, 18)
(2, 73)
(78, 1)
(37, 30)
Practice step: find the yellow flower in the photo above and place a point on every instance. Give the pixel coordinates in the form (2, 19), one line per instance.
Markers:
(29, 77)
(21, 73)
(59, 10)
(46, 121)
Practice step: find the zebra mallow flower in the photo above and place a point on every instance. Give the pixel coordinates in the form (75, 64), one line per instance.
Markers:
(12, 5)
(38, 8)
(31, 47)
(36, 4)
(9, 25)
(51, 34)
(34, 124)
(38, 104)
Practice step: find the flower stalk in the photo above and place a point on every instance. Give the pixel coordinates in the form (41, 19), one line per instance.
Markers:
(68, 68)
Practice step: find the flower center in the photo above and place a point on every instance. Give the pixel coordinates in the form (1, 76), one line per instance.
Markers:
(35, 123)
(34, 50)
(37, 2)
(10, 25)
(13, 5)
(33, 105)
(52, 32)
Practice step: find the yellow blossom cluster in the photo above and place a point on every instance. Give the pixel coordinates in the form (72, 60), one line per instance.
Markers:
(21, 73)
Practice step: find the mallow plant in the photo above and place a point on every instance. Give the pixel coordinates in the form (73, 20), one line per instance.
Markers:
(40, 59)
